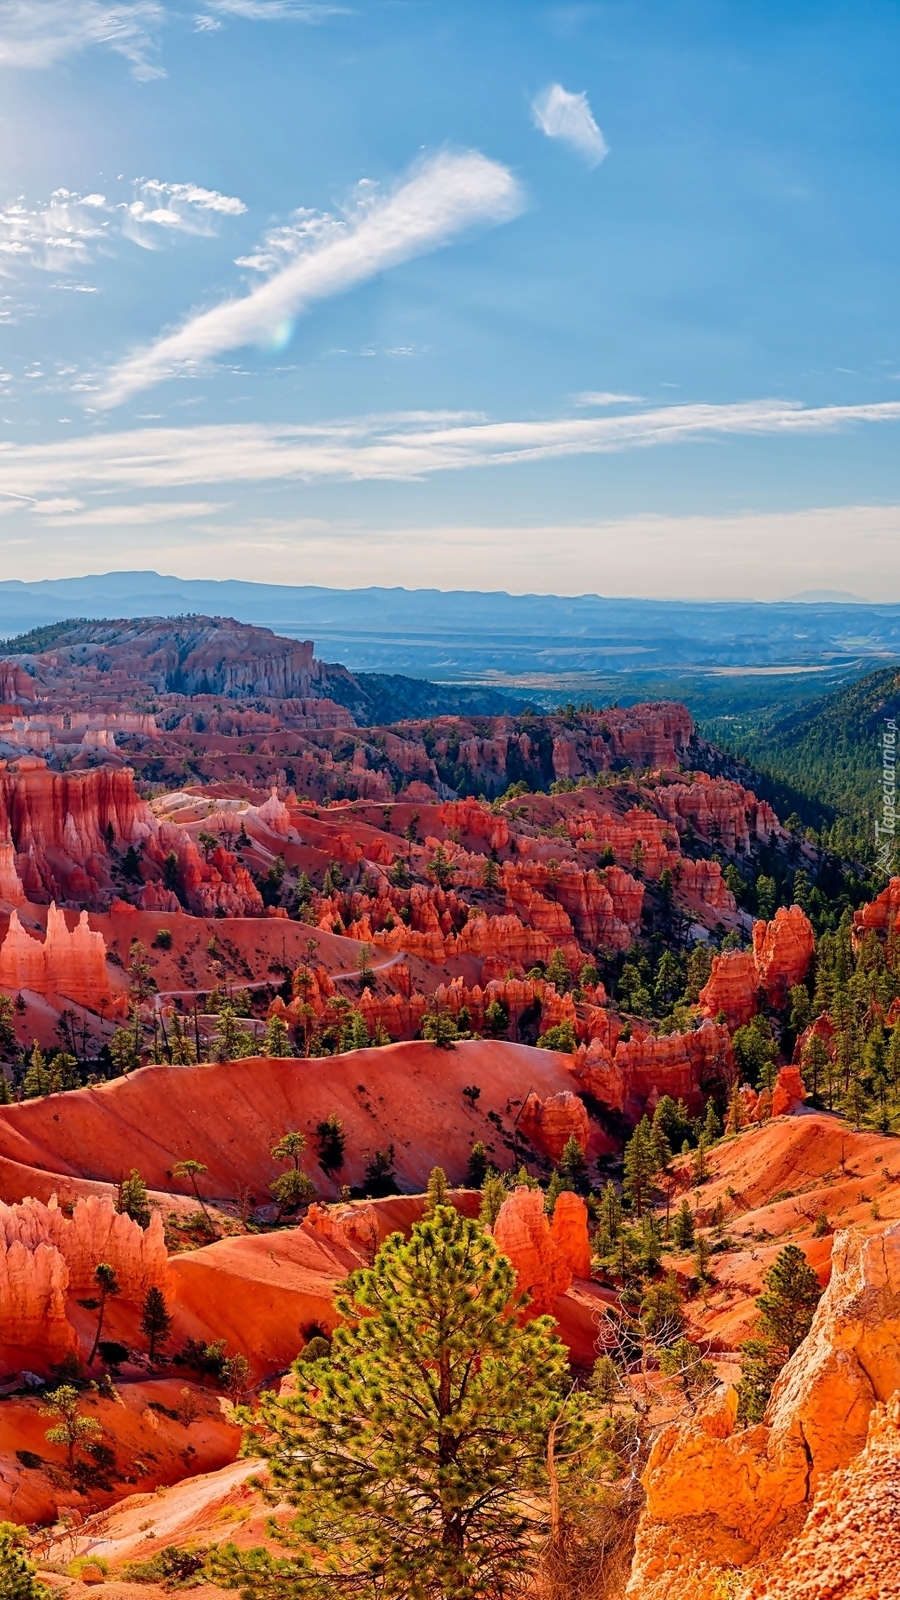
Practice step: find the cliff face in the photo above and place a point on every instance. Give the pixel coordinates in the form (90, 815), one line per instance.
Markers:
(46, 1257)
(718, 1497)
(781, 957)
(71, 964)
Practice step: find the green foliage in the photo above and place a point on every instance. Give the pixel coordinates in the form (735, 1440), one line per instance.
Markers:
(683, 1227)
(477, 1166)
(18, 1579)
(70, 1428)
(786, 1309)
(380, 1177)
(132, 1199)
(230, 1041)
(558, 972)
(293, 1188)
(156, 1321)
(331, 1140)
(682, 1362)
(437, 1190)
(641, 1165)
(756, 1053)
(277, 1041)
(173, 1567)
(493, 1194)
(560, 1037)
(439, 1028)
(434, 1497)
(496, 1019)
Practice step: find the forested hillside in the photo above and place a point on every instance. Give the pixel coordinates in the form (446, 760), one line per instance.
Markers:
(829, 751)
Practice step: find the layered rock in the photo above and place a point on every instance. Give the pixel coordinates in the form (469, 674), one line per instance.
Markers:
(630, 1074)
(881, 913)
(781, 957)
(67, 963)
(523, 1234)
(720, 1498)
(783, 951)
(849, 1548)
(551, 1123)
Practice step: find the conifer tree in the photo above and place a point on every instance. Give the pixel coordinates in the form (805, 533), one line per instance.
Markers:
(477, 1166)
(293, 1188)
(109, 1289)
(156, 1321)
(641, 1165)
(573, 1169)
(277, 1040)
(787, 1306)
(683, 1227)
(132, 1198)
(436, 1193)
(37, 1077)
(63, 1406)
(493, 1194)
(412, 1453)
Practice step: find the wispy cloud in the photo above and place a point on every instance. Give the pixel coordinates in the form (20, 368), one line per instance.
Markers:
(70, 230)
(53, 235)
(175, 208)
(59, 513)
(604, 397)
(274, 10)
(387, 447)
(561, 115)
(38, 33)
(440, 200)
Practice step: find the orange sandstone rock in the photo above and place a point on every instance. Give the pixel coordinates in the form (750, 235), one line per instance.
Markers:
(732, 988)
(783, 950)
(550, 1123)
(69, 963)
(569, 1232)
(522, 1233)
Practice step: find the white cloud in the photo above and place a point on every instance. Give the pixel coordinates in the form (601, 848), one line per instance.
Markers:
(603, 397)
(70, 230)
(175, 208)
(433, 206)
(274, 10)
(561, 115)
(52, 236)
(387, 448)
(61, 513)
(38, 33)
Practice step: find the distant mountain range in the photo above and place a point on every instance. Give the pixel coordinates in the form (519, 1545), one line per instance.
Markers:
(470, 635)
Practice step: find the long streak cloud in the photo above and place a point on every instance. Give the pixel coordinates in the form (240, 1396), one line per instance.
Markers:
(387, 448)
(440, 200)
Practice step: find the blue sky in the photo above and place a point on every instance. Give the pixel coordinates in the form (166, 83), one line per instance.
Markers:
(575, 298)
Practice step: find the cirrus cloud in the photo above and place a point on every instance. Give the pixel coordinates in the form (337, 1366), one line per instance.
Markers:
(38, 33)
(439, 201)
(561, 115)
(408, 447)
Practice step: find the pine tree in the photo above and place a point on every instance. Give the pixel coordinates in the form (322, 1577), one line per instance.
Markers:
(230, 1041)
(18, 1580)
(792, 1292)
(182, 1049)
(424, 1498)
(37, 1078)
(132, 1198)
(156, 1321)
(702, 1257)
(293, 1188)
(555, 1188)
(477, 1166)
(331, 1140)
(277, 1041)
(192, 1170)
(493, 1194)
(436, 1193)
(558, 972)
(712, 1127)
(683, 1227)
(5, 1091)
(109, 1289)
(641, 1165)
(573, 1168)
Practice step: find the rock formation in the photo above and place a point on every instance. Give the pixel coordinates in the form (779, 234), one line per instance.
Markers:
(781, 957)
(551, 1123)
(523, 1234)
(718, 1497)
(67, 963)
